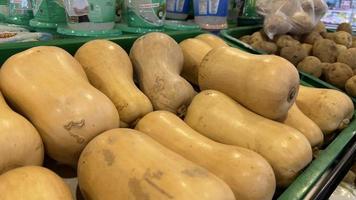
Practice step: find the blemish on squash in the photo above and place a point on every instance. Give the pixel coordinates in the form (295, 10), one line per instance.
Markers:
(136, 189)
(74, 124)
(78, 138)
(156, 175)
(121, 107)
(39, 146)
(159, 189)
(109, 157)
(111, 140)
(196, 172)
(292, 94)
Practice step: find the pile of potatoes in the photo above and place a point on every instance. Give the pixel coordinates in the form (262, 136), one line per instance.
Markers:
(249, 129)
(330, 56)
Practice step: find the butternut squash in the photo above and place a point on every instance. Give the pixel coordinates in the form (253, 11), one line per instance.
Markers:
(212, 40)
(194, 51)
(220, 118)
(109, 69)
(330, 109)
(296, 119)
(33, 183)
(44, 83)
(127, 164)
(265, 84)
(158, 61)
(20, 143)
(248, 167)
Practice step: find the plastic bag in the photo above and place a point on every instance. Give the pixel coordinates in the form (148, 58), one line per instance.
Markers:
(6, 37)
(344, 191)
(290, 16)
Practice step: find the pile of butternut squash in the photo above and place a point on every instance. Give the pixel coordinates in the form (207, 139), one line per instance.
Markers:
(249, 130)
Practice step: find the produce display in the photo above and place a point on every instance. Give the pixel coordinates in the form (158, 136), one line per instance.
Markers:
(245, 130)
(330, 56)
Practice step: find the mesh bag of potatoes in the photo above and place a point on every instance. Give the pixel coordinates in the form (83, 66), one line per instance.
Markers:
(290, 16)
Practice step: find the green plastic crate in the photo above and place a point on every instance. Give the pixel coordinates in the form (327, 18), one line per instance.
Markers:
(72, 44)
(231, 36)
(301, 185)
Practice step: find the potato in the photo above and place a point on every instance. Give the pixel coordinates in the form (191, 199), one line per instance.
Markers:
(350, 86)
(345, 27)
(294, 54)
(286, 41)
(349, 178)
(340, 48)
(310, 65)
(324, 67)
(338, 74)
(325, 50)
(348, 57)
(320, 7)
(353, 44)
(268, 47)
(307, 5)
(257, 37)
(302, 23)
(312, 37)
(276, 24)
(308, 48)
(328, 35)
(344, 38)
(320, 27)
(297, 37)
(246, 39)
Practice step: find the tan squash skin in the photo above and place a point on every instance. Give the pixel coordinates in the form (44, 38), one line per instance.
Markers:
(127, 164)
(266, 84)
(296, 119)
(212, 40)
(220, 118)
(109, 69)
(33, 183)
(20, 143)
(194, 51)
(238, 167)
(330, 109)
(158, 61)
(66, 110)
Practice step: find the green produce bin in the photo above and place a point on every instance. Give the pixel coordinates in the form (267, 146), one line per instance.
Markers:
(232, 34)
(72, 44)
(307, 179)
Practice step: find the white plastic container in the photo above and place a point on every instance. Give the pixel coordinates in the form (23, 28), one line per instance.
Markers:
(211, 14)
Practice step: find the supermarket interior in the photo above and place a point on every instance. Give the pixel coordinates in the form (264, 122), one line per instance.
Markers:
(177, 99)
